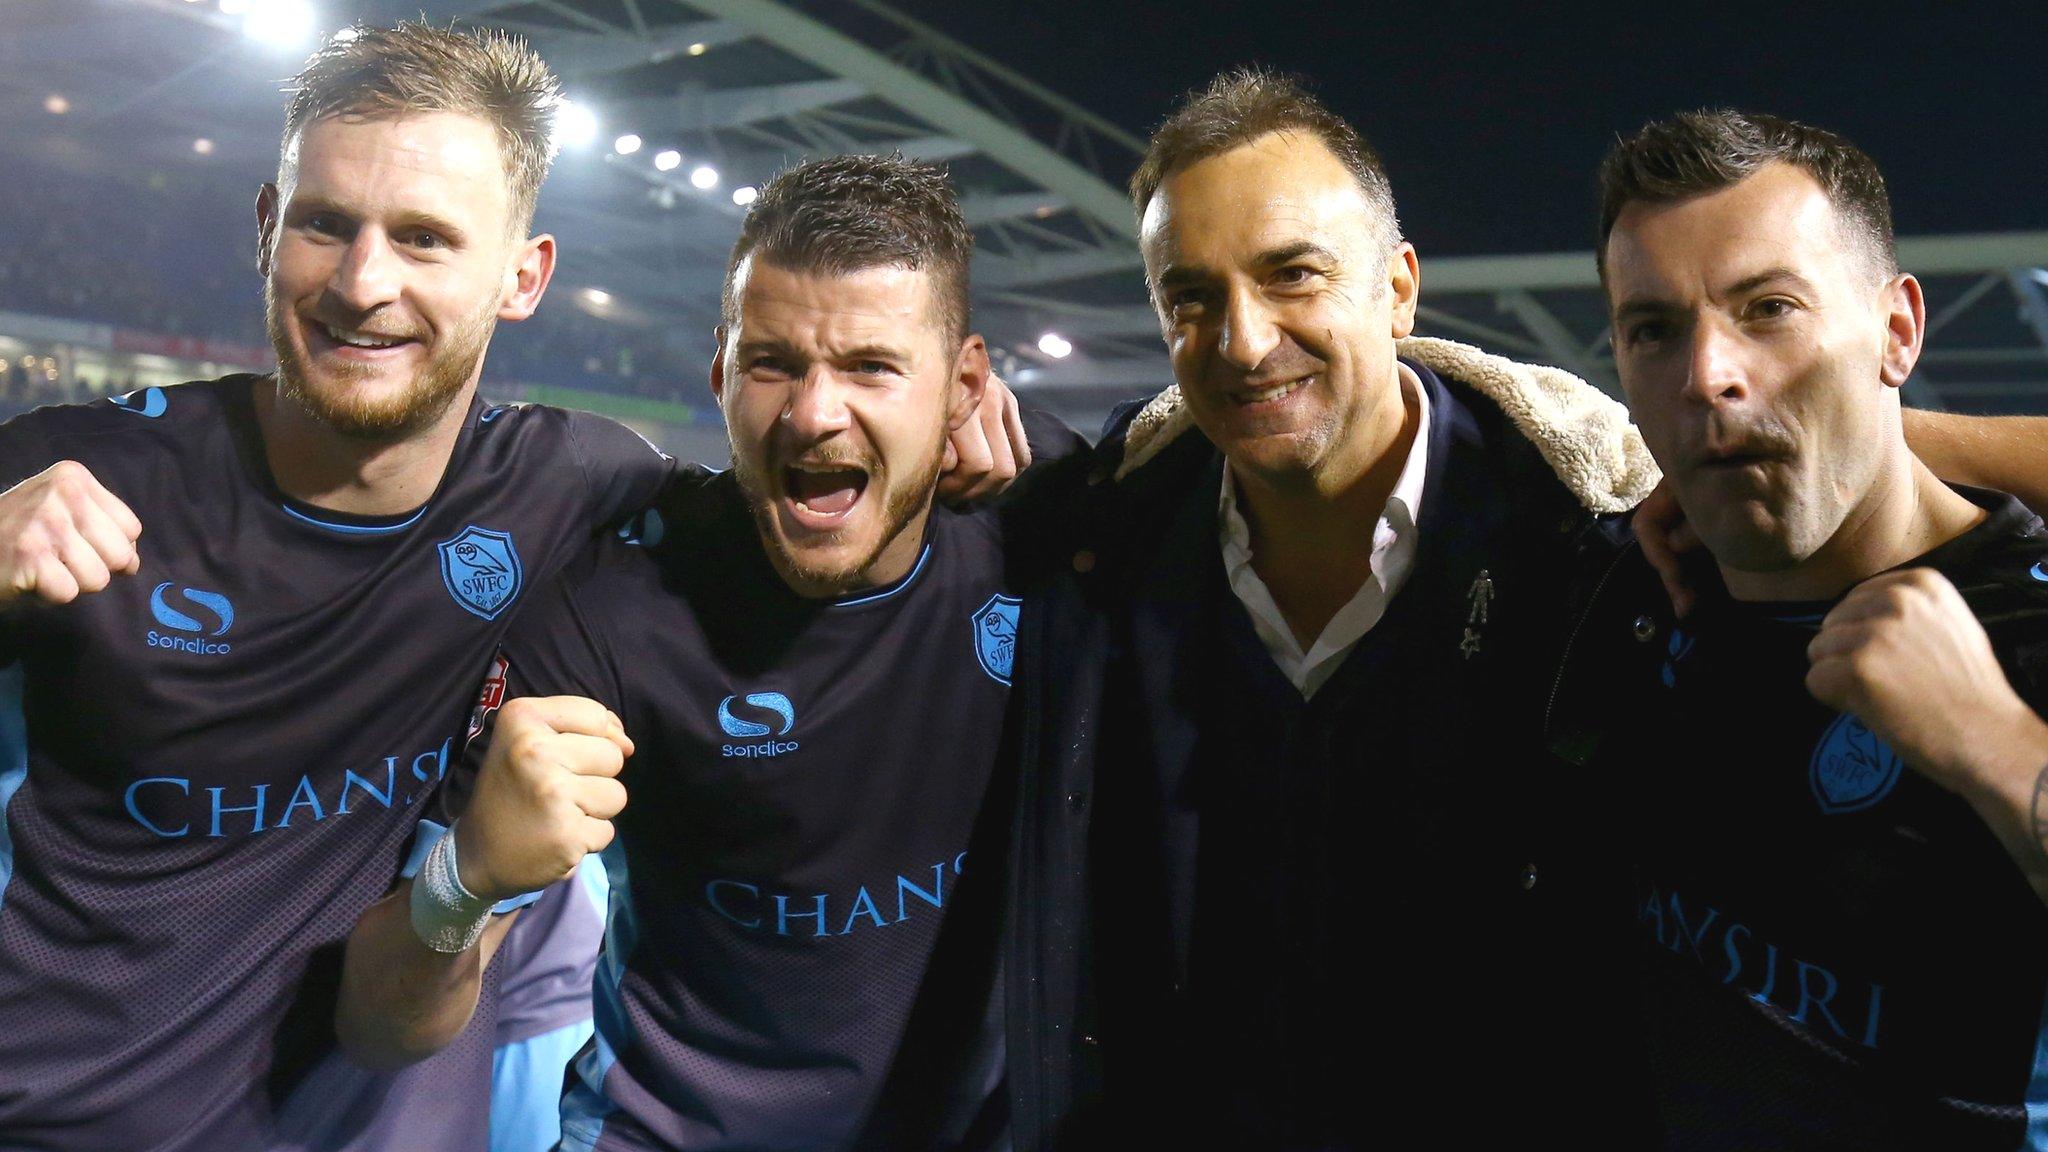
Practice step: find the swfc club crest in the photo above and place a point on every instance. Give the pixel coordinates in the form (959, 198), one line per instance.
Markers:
(481, 569)
(1852, 769)
(995, 637)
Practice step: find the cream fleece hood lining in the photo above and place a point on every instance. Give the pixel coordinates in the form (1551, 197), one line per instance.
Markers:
(1583, 434)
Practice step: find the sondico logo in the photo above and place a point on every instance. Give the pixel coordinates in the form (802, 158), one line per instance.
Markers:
(765, 704)
(199, 613)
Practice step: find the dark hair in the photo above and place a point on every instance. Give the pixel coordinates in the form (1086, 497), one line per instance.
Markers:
(493, 76)
(849, 213)
(1694, 153)
(1239, 107)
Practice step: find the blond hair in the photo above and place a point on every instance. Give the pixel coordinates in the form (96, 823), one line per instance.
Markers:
(493, 76)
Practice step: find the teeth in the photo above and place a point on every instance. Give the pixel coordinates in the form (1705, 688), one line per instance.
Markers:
(356, 339)
(1271, 393)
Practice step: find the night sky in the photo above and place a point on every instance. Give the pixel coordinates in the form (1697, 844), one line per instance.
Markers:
(1492, 118)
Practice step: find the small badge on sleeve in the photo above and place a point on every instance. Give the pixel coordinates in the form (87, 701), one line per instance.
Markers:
(995, 636)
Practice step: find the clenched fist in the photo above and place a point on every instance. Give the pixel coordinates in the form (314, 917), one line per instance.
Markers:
(545, 796)
(62, 534)
(1905, 654)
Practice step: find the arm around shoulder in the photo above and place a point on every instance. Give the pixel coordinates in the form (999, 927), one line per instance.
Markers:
(2008, 453)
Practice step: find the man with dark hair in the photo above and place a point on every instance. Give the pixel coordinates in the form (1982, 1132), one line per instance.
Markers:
(847, 213)
(1291, 872)
(797, 673)
(1834, 771)
(1694, 152)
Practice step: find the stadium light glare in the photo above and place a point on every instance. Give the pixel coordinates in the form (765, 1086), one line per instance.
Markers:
(1055, 345)
(55, 104)
(203, 146)
(597, 296)
(669, 160)
(279, 23)
(626, 145)
(704, 176)
(575, 124)
(699, 48)
(745, 194)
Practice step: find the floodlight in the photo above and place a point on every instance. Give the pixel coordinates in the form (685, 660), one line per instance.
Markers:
(278, 23)
(575, 125)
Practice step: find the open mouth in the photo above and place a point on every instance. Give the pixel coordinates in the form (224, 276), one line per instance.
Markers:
(1247, 398)
(354, 343)
(823, 495)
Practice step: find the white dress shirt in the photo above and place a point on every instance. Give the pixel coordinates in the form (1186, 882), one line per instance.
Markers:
(1393, 555)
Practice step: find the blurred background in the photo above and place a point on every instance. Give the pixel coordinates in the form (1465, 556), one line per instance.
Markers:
(135, 133)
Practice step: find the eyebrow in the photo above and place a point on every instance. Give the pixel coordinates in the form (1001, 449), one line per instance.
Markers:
(784, 348)
(1768, 276)
(1178, 275)
(773, 347)
(1288, 253)
(304, 206)
(1650, 306)
(874, 352)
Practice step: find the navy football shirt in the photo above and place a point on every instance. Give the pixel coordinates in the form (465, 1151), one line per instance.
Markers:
(214, 766)
(799, 953)
(1840, 953)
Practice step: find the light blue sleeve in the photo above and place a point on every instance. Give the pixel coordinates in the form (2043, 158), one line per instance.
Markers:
(527, 1073)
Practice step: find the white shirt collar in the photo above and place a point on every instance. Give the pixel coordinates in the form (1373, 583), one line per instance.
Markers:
(1393, 556)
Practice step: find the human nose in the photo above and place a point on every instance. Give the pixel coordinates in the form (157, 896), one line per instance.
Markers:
(1714, 366)
(368, 275)
(1249, 332)
(817, 405)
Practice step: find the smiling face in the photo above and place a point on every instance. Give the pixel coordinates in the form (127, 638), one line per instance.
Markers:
(1280, 303)
(1761, 357)
(838, 392)
(388, 257)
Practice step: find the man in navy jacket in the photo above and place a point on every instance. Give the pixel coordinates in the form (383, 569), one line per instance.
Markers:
(1290, 868)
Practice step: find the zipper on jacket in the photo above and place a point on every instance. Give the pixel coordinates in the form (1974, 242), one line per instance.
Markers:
(1565, 658)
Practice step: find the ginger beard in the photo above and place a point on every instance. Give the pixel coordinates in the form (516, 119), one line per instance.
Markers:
(832, 477)
(340, 402)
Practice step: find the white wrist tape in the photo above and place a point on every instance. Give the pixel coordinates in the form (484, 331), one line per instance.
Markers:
(446, 916)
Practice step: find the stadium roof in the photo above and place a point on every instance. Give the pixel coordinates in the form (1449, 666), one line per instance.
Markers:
(742, 88)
